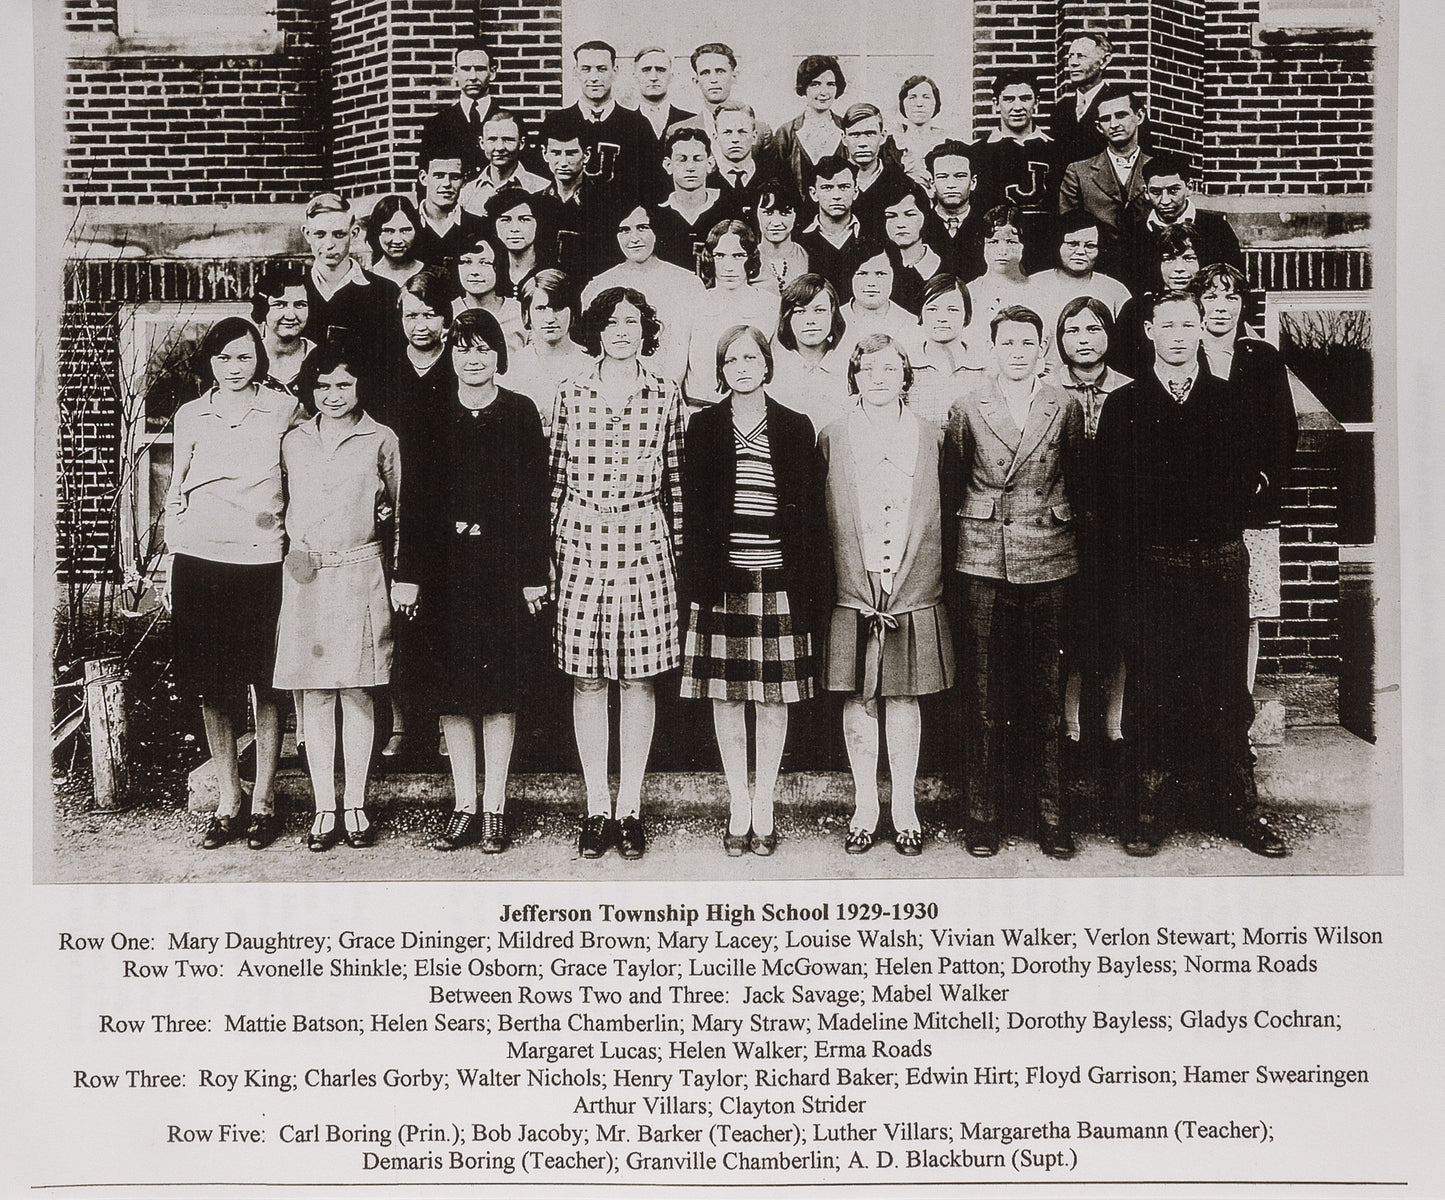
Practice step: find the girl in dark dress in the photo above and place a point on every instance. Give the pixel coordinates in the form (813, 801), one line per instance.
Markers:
(477, 560)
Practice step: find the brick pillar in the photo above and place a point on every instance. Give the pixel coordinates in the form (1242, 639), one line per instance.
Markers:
(391, 68)
(1020, 34)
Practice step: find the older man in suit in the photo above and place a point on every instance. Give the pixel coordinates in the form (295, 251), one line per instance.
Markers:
(1013, 454)
(1074, 121)
(1111, 184)
(456, 130)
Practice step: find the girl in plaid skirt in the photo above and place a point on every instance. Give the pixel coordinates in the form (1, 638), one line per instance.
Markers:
(616, 524)
(753, 487)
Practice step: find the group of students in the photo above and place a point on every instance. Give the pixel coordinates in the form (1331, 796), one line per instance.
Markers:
(781, 465)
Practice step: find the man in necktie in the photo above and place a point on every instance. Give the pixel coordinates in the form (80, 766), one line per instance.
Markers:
(1177, 472)
(742, 167)
(951, 225)
(456, 130)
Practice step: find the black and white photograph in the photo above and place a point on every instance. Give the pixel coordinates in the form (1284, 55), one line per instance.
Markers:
(734, 479)
(645, 498)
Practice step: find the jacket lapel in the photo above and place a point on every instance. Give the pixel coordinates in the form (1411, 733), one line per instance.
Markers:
(996, 416)
(1043, 412)
(1104, 177)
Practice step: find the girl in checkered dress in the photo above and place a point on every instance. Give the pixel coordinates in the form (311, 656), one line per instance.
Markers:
(616, 522)
(756, 549)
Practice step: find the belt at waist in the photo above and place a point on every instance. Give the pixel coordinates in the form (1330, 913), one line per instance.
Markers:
(317, 559)
(614, 510)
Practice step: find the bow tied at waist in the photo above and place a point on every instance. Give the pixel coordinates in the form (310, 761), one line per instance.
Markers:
(873, 627)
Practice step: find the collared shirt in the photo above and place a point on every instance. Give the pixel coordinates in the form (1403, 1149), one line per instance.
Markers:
(1091, 396)
(333, 493)
(596, 115)
(354, 274)
(1082, 100)
(1180, 389)
(953, 223)
(1033, 135)
(886, 454)
(730, 171)
(486, 185)
(928, 266)
(1123, 167)
(674, 292)
(446, 226)
(712, 195)
(817, 390)
(828, 235)
(1187, 217)
(475, 111)
(656, 114)
(225, 501)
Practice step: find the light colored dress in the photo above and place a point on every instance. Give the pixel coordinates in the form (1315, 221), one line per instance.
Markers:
(335, 626)
(616, 525)
(817, 390)
(538, 378)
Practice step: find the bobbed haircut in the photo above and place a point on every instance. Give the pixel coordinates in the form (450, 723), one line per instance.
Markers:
(722, 49)
(816, 65)
(339, 349)
(1014, 78)
(1017, 314)
(382, 212)
(778, 195)
(798, 295)
(556, 287)
(1165, 163)
(912, 82)
(222, 334)
(434, 288)
(730, 335)
(1175, 242)
(488, 239)
(716, 234)
(950, 148)
(596, 44)
(1226, 277)
(1002, 216)
(511, 198)
(871, 344)
(940, 285)
(272, 286)
(475, 327)
(1154, 301)
(1081, 304)
(1079, 219)
(903, 189)
(600, 311)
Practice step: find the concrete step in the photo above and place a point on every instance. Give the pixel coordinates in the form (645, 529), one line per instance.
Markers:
(1317, 768)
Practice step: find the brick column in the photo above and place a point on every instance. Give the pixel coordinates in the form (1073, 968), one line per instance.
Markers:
(527, 36)
(391, 68)
(1020, 34)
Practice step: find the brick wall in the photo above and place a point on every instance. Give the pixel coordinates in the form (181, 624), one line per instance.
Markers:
(1305, 640)
(528, 41)
(1021, 34)
(175, 129)
(1290, 119)
(88, 450)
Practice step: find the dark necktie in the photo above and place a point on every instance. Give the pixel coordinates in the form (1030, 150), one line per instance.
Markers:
(953, 223)
(1179, 389)
(737, 180)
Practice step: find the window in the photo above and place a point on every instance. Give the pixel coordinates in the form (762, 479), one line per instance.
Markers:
(1284, 19)
(194, 18)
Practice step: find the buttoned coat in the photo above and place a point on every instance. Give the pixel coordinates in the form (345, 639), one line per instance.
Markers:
(1016, 517)
(1091, 185)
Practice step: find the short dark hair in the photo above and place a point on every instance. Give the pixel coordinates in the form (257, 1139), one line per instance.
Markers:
(1017, 314)
(912, 82)
(860, 112)
(949, 148)
(564, 126)
(1223, 275)
(1014, 77)
(1120, 91)
(1166, 163)
(685, 133)
(340, 348)
(1153, 301)
(830, 166)
(901, 190)
(1080, 218)
(1174, 242)
(1001, 215)
(940, 285)
(476, 326)
(779, 195)
(815, 65)
(272, 285)
(719, 48)
(600, 311)
(382, 212)
(871, 344)
(730, 335)
(434, 288)
(801, 293)
(556, 286)
(469, 156)
(222, 334)
(509, 198)
(500, 261)
(1077, 305)
(716, 234)
(596, 44)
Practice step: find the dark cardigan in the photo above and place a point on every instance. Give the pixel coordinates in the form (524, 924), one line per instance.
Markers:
(709, 478)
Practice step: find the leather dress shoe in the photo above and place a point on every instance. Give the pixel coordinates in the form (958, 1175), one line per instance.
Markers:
(461, 829)
(494, 833)
(1056, 841)
(220, 831)
(596, 834)
(359, 839)
(908, 842)
(631, 840)
(763, 844)
(323, 834)
(1257, 836)
(1143, 841)
(858, 841)
(263, 830)
(735, 845)
(980, 838)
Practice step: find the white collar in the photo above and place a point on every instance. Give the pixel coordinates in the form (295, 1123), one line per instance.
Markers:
(354, 275)
(711, 193)
(748, 167)
(1120, 159)
(1034, 135)
(1082, 100)
(1189, 216)
(589, 114)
